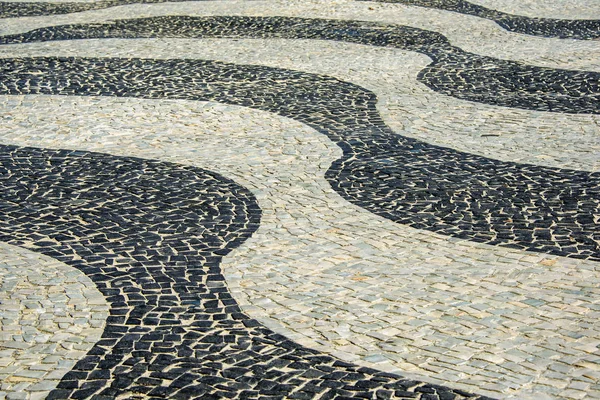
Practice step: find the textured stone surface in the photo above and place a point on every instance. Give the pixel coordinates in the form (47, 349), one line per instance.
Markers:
(151, 235)
(561, 27)
(407, 181)
(51, 316)
(312, 270)
(409, 108)
(585, 28)
(10, 9)
(453, 71)
(471, 34)
(327, 274)
(559, 9)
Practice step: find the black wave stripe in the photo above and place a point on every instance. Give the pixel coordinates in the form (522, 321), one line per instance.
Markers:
(151, 236)
(547, 27)
(10, 9)
(453, 71)
(584, 29)
(428, 187)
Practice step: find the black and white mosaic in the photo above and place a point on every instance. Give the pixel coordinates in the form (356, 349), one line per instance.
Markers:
(427, 187)
(9, 9)
(453, 71)
(151, 235)
(548, 27)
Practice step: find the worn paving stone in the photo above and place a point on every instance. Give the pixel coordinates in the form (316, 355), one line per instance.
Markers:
(312, 271)
(11, 9)
(560, 27)
(585, 28)
(558, 9)
(50, 316)
(457, 194)
(557, 140)
(469, 33)
(299, 236)
(453, 72)
(171, 316)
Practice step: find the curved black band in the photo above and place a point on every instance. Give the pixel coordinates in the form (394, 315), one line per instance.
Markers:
(428, 187)
(11, 9)
(151, 235)
(453, 71)
(548, 27)
(585, 29)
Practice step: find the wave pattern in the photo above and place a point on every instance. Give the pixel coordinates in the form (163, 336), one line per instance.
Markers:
(453, 72)
(548, 27)
(151, 234)
(408, 181)
(10, 9)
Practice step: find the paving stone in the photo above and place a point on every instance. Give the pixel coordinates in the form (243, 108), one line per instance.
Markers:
(559, 27)
(29, 273)
(308, 235)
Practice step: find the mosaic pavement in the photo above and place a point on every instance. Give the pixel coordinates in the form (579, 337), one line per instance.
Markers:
(300, 199)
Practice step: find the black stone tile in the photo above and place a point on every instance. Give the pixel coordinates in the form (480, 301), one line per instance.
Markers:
(453, 72)
(548, 27)
(407, 181)
(172, 244)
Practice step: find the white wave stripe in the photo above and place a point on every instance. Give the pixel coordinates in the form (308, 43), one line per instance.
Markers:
(50, 316)
(472, 34)
(559, 9)
(407, 106)
(337, 278)
(54, 1)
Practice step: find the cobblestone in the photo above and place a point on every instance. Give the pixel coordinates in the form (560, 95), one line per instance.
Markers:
(124, 134)
(325, 273)
(29, 361)
(559, 9)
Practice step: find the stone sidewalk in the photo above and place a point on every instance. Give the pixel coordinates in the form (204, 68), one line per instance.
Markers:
(323, 199)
